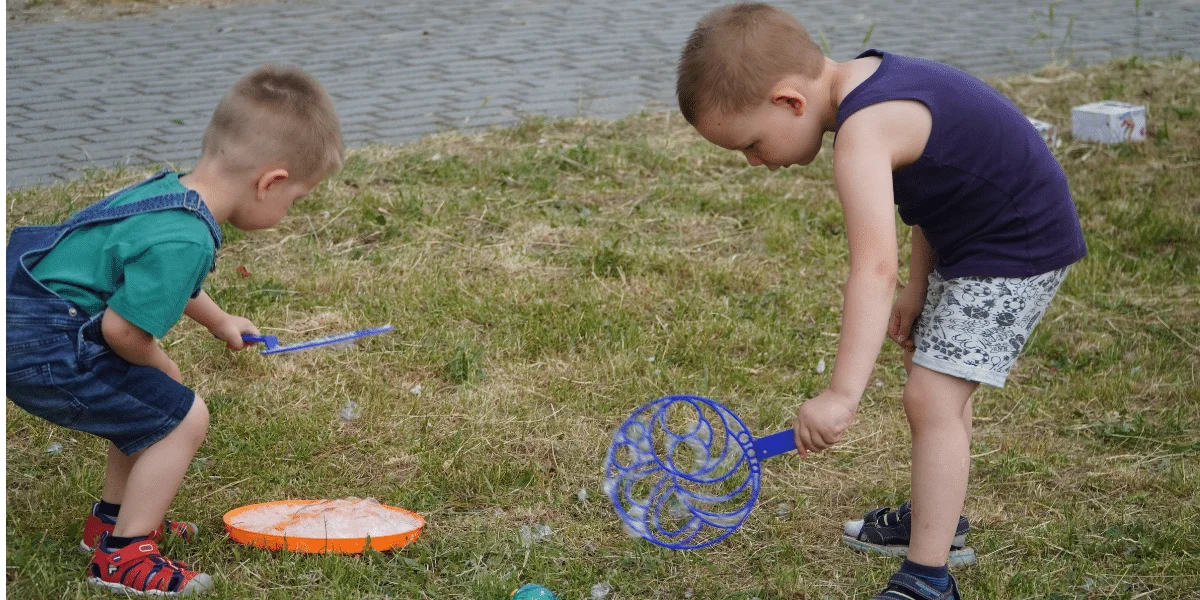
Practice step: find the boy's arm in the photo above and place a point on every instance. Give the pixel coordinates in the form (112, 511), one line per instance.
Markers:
(862, 170)
(923, 258)
(912, 298)
(863, 161)
(871, 233)
(135, 345)
(203, 310)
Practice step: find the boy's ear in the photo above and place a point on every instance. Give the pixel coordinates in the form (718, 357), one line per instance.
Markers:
(269, 179)
(790, 96)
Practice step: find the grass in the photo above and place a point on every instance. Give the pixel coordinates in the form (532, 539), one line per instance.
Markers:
(546, 279)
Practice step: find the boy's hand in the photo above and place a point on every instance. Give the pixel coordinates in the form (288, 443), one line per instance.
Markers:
(904, 312)
(230, 329)
(823, 420)
(225, 326)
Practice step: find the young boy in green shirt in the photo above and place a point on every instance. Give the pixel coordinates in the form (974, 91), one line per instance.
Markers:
(87, 299)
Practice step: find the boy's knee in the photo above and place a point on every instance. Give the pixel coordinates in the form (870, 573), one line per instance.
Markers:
(933, 400)
(922, 405)
(916, 404)
(196, 421)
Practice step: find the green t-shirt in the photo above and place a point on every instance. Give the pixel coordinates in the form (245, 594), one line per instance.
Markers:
(146, 267)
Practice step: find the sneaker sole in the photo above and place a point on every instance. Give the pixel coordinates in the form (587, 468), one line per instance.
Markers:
(959, 557)
(200, 584)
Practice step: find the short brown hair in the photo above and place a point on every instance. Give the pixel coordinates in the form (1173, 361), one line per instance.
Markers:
(736, 53)
(277, 114)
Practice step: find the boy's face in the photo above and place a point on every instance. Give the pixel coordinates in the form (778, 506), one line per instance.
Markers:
(275, 193)
(780, 132)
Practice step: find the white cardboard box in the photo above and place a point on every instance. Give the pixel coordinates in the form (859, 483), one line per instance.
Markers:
(1109, 122)
(1048, 132)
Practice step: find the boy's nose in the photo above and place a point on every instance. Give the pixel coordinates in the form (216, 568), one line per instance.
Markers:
(752, 159)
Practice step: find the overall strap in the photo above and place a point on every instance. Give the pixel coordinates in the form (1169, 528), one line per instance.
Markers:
(189, 200)
(31, 242)
(87, 213)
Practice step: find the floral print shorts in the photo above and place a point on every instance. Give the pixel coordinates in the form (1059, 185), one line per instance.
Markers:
(975, 327)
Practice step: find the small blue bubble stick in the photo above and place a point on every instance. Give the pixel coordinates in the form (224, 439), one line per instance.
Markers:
(273, 346)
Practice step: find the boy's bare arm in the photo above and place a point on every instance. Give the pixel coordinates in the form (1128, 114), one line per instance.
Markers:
(912, 298)
(870, 145)
(863, 175)
(229, 328)
(923, 258)
(133, 344)
(203, 310)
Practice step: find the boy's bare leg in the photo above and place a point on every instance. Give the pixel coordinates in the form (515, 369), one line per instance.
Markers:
(157, 473)
(938, 410)
(116, 473)
(966, 414)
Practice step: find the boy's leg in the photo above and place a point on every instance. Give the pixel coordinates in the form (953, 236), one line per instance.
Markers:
(125, 560)
(966, 413)
(938, 410)
(157, 472)
(116, 474)
(104, 515)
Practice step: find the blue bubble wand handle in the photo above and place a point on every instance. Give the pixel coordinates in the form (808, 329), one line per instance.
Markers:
(271, 341)
(775, 444)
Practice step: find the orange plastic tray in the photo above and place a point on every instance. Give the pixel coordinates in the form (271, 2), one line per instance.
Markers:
(347, 545)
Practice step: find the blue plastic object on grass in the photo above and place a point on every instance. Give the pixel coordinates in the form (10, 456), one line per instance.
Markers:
(683, 471)
(273, 346)
(532, 591)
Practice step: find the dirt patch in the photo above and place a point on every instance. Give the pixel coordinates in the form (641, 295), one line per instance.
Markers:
(29, 12)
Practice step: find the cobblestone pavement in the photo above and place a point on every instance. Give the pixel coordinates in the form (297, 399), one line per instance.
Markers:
(141, 90)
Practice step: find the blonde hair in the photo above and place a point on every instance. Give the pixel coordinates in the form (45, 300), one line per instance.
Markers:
(277, 114)
(736, 53)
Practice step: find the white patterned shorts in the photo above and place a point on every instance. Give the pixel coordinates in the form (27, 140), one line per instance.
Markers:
(974, 328)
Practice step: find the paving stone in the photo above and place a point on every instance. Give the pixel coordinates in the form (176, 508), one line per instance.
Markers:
(104, 153)
(131, 136)
(52, 135)
(40, 174)
(399, 70)
(49, 149)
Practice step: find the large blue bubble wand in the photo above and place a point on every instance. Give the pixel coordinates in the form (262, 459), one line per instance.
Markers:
(683, 471)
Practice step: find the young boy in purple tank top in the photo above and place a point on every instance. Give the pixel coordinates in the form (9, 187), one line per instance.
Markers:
(994, 230)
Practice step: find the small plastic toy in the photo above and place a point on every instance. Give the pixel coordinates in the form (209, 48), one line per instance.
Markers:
(683, 471)
(273, 346)
(532, 591)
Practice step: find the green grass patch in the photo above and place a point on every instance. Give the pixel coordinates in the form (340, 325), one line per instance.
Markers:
(546, 279)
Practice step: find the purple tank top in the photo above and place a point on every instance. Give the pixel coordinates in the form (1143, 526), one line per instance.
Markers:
(986, 191)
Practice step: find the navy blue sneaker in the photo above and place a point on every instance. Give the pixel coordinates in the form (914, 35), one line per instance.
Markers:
(903, 586)
(887, 532)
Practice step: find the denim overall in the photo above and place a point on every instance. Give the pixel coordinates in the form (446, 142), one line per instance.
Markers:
(59, 367)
